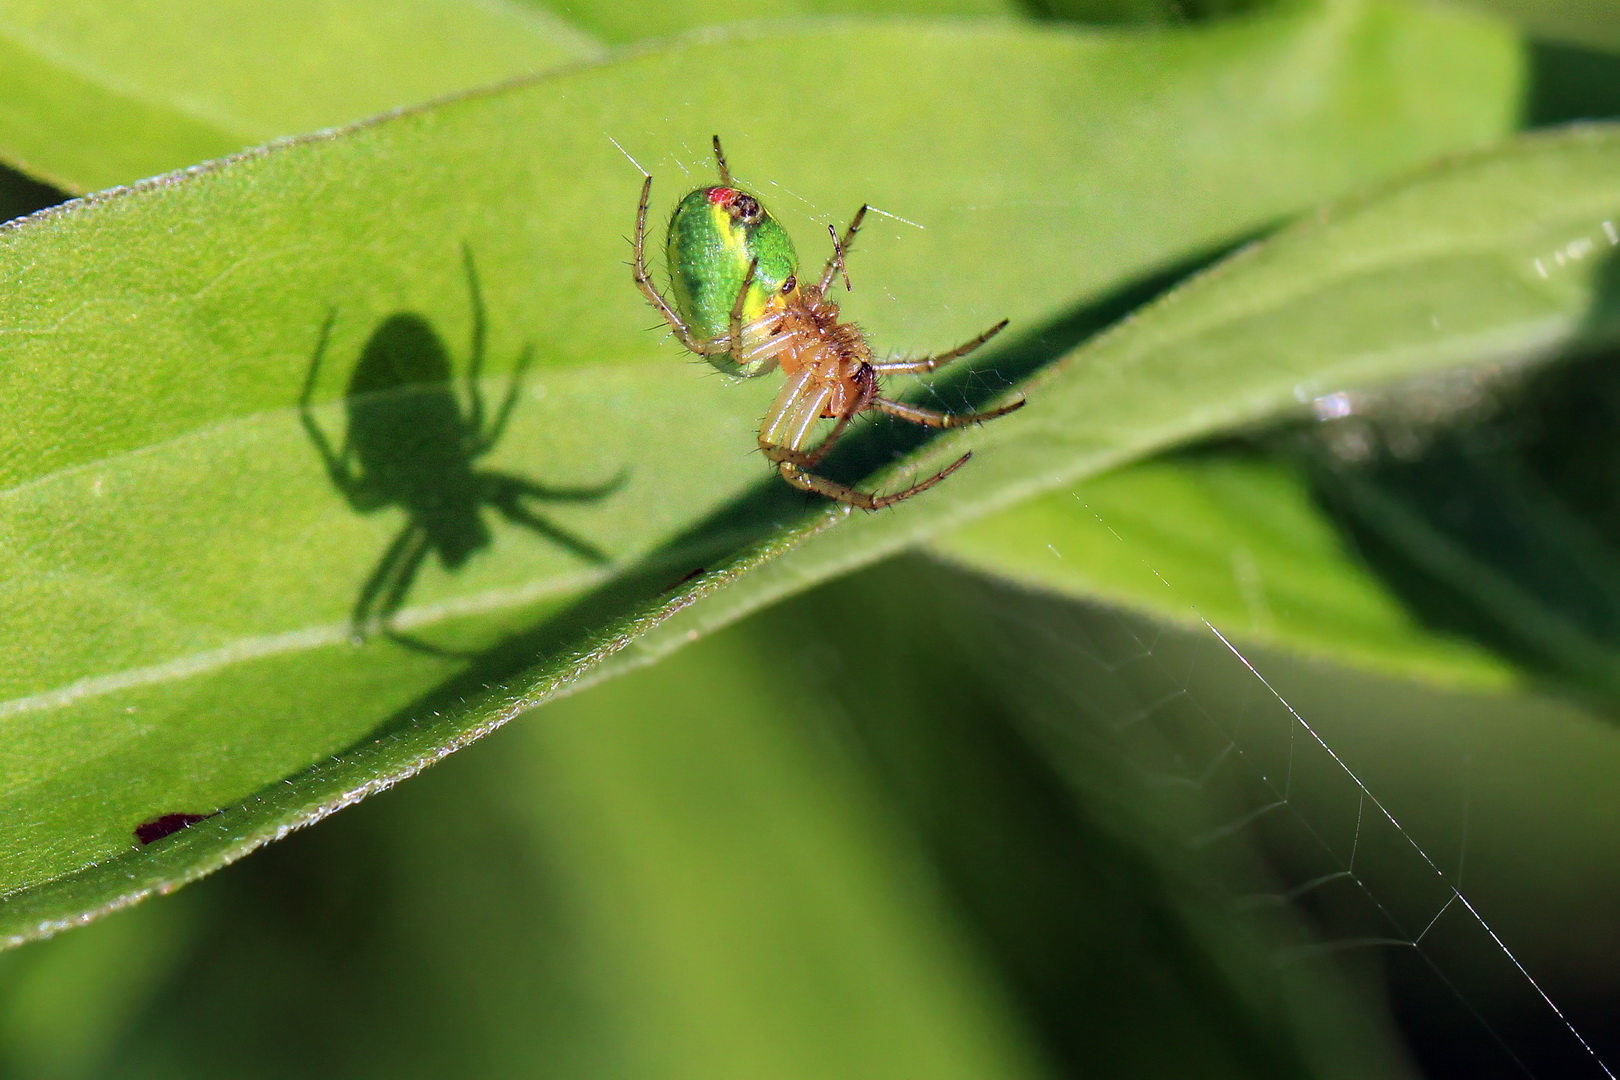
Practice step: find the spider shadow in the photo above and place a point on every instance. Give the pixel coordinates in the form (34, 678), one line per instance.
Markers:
(409, 445)
(768, 508)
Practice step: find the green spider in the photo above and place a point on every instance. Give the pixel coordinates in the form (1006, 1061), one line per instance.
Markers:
(739, 303)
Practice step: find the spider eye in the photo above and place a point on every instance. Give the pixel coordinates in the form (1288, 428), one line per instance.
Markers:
(746, 209)
(790, 284)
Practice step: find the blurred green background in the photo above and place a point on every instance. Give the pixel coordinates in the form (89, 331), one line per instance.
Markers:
(928, 821)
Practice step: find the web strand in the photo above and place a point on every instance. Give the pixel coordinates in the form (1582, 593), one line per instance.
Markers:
(1285, 770)
(1456, 894)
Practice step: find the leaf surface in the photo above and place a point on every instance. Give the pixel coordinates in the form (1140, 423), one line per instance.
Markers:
(1233, 539)
(187, 566)
(97, 94)
(1593, 23)
(630, 20)
(1504, 259)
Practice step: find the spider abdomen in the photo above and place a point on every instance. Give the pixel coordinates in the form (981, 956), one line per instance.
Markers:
(715, 234)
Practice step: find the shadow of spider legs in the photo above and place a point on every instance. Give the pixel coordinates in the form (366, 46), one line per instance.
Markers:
(410, 445)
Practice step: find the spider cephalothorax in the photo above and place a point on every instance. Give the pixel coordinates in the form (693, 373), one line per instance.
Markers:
(739, 302)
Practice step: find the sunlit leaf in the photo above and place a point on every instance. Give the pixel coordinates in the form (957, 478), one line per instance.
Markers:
(1230, 538)
(849, 858)
(634, 20)
(1146, 12)
(1504, 258)
(103, 93)
(187, 570)
(1586, 22)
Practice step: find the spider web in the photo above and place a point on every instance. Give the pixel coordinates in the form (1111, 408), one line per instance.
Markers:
(1381, 889)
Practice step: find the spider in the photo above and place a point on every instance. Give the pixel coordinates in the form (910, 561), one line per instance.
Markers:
(739, 303)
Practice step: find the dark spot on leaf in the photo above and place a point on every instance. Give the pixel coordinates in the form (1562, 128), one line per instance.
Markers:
(689, 576)
(159, 827)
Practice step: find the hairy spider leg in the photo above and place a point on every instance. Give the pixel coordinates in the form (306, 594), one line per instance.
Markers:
(720, 160)
(807, 459)
(788, 426)
(735, 326)
(935, 418)
(923, 365)
(798, 405)
(841, 252)
(793, 415)
(644, 282)
(864, 500)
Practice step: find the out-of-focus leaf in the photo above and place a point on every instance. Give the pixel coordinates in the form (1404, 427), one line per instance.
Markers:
(1460, 842)
(1501, 524)
(94, 94)
(185, 572)
(848, 858)
(64, 1012)
(1571, 82)
(1148, 12)
(632, 20)
(1506, 258)
(1583, 22)
(1234, 539)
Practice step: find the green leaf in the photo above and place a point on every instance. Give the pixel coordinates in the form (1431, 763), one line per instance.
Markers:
(1231, 538)
(850, 858)
(97, 94)
(1583, 22)
(1502, 258)
(185, 571)
(631, 20)
(1507, 797)
(1147, 12)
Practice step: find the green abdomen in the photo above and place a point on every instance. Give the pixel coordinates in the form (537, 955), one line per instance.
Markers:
(709, 253)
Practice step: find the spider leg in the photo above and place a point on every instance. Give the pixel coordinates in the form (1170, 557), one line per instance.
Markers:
(787, 429)
(385, 589)
(788, 426)
(644, 282)
(840, 251)
(506, 493)
(809, 459)
(735, 337)
(929, 363)
(937, 419)
(720, 160)
(865, 500)
(799, 405)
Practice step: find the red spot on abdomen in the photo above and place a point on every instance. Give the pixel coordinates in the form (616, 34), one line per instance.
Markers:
(722, 196)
